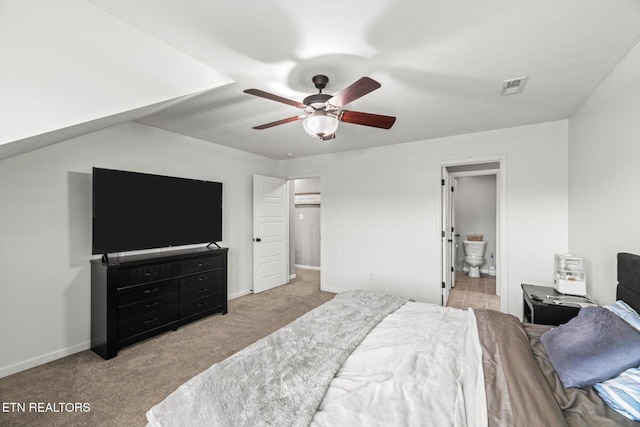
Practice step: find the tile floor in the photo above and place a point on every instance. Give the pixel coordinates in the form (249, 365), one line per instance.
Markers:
(474, 292)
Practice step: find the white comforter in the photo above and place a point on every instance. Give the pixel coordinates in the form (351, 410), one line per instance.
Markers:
(422, 365)
(281, 379)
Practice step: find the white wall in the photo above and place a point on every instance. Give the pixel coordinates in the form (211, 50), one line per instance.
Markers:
(45, 229)
(604, 176)
(379, 209)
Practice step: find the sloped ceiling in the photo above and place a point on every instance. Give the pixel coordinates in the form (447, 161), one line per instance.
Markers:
(69, 68)
(441, 65)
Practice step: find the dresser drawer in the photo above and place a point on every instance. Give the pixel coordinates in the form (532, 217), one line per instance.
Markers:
(200, 264)
(151, 273)
(135, 294)
(191, 308)
(199, 291)
(137, 325)
(143, 308)
(199, 285)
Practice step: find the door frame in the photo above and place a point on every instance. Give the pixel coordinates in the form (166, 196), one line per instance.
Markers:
(447, 235)
(502, 281)
(453, 183)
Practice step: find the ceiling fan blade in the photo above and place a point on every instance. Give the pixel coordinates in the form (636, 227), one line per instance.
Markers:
(367, 119)
(280, 122)
(360, 88)
(267, 95)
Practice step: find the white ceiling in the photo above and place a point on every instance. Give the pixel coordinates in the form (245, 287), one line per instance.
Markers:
(441, 63)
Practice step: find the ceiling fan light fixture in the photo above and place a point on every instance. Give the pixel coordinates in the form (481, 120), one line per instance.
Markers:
(320, 124)
(323, 112)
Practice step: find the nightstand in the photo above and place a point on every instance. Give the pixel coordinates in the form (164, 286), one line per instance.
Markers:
(540, 309)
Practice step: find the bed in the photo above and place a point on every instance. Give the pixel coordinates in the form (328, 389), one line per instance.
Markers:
(379, 360)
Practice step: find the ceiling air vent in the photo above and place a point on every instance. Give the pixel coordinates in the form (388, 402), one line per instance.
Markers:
(513, 86)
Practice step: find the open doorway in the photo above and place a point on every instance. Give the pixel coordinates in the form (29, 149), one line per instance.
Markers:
(473, 199)
(305, 201)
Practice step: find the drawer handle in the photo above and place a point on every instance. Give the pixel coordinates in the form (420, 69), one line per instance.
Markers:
(202, 264)
(149, 274)
(202, 290)
(150, 291)
(153, 304)
(203, 303)
(155, 319)
(200, 279)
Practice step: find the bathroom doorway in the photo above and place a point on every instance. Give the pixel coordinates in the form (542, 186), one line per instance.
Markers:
(473, 199)
(474, 214)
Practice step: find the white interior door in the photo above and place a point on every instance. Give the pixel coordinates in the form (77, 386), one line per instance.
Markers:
(447, 237)
(270, 233)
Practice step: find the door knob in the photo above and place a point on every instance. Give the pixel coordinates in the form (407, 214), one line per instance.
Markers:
(257, 239)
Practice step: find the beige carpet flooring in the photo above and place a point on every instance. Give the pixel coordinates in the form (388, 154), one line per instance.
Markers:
(120, 391)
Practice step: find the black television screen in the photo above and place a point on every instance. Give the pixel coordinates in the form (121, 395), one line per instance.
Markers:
(133, 211)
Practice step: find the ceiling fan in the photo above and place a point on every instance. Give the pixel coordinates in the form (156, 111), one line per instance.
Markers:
(323, 112)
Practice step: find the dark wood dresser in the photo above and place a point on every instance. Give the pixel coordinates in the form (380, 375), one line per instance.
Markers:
(136, 297)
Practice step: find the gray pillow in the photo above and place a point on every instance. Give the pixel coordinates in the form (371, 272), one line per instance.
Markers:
(593, 347)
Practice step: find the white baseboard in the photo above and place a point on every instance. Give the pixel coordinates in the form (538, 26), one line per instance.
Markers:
(41, 360)
(292, 276)
(238, 294)
(333, 290)
(307, 267)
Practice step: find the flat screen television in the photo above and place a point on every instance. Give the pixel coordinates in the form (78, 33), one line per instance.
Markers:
(134, 211)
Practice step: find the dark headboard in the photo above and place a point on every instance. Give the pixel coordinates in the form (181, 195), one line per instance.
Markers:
(629, 280)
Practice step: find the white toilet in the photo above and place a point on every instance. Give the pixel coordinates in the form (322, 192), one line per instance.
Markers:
(474, 256)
